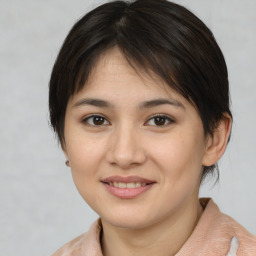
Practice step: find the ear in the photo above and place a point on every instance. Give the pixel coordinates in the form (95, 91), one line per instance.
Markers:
(216, 144)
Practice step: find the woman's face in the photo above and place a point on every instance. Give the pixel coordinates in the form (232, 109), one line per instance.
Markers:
(135, 146)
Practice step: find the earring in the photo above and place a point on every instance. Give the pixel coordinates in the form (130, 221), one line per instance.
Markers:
(67, 163)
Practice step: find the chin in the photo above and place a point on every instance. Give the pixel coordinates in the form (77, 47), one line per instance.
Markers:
(129, 219)
(129, 223)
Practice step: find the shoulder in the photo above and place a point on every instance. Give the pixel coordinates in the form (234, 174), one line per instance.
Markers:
(226, 226)
(72, 248)
(86, 244)
(247, 241)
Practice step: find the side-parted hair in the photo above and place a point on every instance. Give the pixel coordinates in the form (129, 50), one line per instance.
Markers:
(154, 36)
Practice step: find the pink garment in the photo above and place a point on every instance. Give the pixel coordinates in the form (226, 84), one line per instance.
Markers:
(212, 237)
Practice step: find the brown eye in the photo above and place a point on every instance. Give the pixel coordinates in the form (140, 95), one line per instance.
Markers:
(159, 120)
(96, 120)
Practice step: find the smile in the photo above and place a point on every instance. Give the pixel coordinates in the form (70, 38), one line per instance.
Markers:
(127, 187)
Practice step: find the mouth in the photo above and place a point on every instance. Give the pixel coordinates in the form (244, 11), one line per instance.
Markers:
(127, 187)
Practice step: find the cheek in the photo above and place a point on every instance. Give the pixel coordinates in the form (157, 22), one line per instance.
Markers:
(84, 173)
(180, 164)
(180, 156)
(83, 150)
(85, 156)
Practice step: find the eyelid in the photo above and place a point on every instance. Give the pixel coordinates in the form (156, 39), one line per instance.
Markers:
(86, 118)
(167, 117)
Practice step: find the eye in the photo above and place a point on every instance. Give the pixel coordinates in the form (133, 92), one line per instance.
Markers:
(96, 120)
(159, 120)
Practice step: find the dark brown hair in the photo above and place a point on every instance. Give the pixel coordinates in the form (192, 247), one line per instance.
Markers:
(153, 35)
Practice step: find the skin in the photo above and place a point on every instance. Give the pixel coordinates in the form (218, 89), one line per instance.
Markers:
(130, 141)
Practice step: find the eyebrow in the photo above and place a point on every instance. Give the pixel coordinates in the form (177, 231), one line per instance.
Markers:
(158, 102)
(145, 104)
(93, 102)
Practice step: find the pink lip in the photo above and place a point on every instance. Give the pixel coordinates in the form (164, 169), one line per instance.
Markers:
(127, 193)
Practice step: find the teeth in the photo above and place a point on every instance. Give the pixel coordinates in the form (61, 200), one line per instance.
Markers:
(127, 185)
(130, 185)
(121, 185)
(137, 185)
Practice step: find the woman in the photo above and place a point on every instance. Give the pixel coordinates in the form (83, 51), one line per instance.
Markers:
(139, 99)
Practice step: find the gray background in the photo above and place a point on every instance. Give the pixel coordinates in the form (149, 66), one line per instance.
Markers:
(40, 208)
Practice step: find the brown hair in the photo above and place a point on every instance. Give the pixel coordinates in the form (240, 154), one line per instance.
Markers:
(154, 35)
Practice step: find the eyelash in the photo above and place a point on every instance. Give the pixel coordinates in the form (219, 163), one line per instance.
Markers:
(166, 118)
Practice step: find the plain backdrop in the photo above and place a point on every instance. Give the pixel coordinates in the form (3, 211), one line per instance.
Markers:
(40, 208)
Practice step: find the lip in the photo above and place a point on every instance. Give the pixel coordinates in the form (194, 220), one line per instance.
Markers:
(127, 179)
(127, 193)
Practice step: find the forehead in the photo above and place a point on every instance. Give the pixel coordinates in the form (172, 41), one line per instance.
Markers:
(112, 72)
(113, 65)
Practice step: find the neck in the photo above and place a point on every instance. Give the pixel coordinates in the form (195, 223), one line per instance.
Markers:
(163, 238)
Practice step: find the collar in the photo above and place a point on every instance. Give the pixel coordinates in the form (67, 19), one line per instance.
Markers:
(215, 234)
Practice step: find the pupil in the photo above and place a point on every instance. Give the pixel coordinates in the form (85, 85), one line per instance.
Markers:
(160, 120)
(98, 120)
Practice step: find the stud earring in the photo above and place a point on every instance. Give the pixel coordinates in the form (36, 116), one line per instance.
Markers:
(67, 163)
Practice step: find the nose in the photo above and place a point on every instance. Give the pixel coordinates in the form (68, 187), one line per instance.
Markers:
(126, 149)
